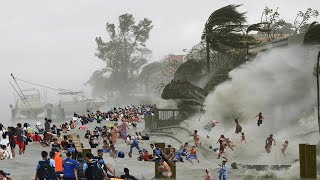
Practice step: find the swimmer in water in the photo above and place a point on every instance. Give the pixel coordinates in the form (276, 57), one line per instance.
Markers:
(260, 118)
(284, 148)
(238, 127)
(243, 139)
(207, 128)
(269, 141)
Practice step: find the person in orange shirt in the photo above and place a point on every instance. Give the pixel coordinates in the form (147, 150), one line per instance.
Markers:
(58, 161)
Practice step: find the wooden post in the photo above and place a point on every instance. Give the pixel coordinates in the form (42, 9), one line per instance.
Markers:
(85, 151)
(302, 159)
(308, 161)
(311, 157)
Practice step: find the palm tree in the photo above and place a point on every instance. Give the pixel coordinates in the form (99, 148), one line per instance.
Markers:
(222, 31)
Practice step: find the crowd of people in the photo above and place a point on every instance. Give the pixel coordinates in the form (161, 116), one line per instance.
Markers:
(105, 138)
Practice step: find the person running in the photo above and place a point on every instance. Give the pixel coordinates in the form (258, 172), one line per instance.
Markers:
(269, 141)
(284, 148)
(192, 155)
(223, 170)
(45, 168)
(238, 127)
(260, 118)
(70, 168)
(134, 144)
(207, 128)
(178, 157)
(208, 175)
(243, 138)
(123, 130)
(221, 149)
(196, 138)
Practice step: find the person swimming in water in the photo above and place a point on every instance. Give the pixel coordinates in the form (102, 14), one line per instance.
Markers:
(260, 118)
(207, 128)
(269, 141)
(284, 148)
(238, 127)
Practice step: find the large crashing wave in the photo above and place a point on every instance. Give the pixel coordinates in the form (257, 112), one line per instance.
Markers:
(278, 83)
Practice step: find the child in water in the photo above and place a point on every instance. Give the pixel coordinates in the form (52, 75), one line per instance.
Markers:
(243, 139)
(284, 148)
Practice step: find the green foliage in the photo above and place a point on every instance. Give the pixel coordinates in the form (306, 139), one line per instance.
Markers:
(312, 36)
(303, 17)
(126, 49)
(270, 23)
(223, 29)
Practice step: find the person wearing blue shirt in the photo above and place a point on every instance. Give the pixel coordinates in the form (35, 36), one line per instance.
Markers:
(70, 167)
(104, 165)
(89, 158)
(42, 163)
(135, 144)
(223, 170)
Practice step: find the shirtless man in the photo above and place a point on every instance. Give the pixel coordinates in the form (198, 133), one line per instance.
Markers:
(221, 149)
(269, 141)
(284, 148)
(238, 127)
(208, 175)
(243, 139)
(196, 138)
(260, 118)
(207, 128)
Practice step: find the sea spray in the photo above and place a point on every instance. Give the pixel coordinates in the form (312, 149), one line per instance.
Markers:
(280, 84)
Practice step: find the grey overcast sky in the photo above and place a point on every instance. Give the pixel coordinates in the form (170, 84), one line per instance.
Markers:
(52, 42)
